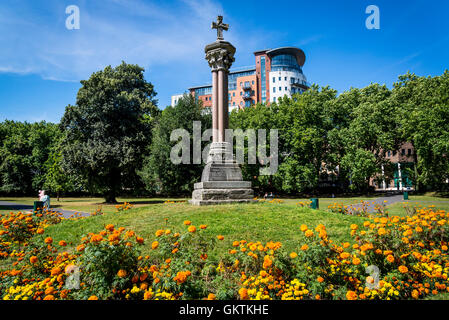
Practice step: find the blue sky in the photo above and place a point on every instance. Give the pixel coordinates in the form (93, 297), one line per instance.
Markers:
(41, 62)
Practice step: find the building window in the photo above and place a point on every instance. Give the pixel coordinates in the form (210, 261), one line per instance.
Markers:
(252, 82)
(280, 78)
(409, 152)
(274, 99)
(233, 103)
(240, 92)
(389, 153)
(274, 80)
(233, 94)
(274, 89)
(285, 88)
(285, 78)
(403, 152)
(280, 88)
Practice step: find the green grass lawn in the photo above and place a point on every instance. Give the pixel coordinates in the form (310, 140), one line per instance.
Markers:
(253, 222)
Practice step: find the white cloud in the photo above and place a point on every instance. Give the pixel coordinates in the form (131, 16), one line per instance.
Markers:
(131, 30)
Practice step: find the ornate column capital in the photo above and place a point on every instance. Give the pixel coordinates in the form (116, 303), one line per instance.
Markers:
(220, 55)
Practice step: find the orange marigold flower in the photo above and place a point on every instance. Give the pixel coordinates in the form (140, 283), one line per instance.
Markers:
(293, 255)
(351, 295)
(203, 226)
(243, 292)
(48, 240)
(320, 279)
(381, 231)
(40, 231)
(109, 227)
(121, 273)
(403, 269)
(62, 243)
(154, 245)
(175, 250)
(49, 297)
(55, 271)
(93, 298)
(304, 247)
(356, 261)
(390, 258)
(309, 233)
(220, 237)
(191, 229)
(187, 222)
(303, 228)
(33, 259)
(211, 296)
(139, 240)
(236, 243)
(81, 247)
(159, 233)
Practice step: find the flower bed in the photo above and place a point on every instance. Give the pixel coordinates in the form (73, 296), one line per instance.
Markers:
(389, 258)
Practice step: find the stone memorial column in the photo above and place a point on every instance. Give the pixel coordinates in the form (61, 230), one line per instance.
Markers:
(221, 181)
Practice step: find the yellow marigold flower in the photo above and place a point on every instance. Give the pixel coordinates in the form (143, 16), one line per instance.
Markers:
(303, 228)
(309, 233)
(390, 258)
(159, 233)
(191, 229)
(293, 255)
(154, 245)
(356, 261)
(381, 231)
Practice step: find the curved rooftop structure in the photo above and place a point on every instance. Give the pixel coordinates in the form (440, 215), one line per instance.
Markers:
(296, 52)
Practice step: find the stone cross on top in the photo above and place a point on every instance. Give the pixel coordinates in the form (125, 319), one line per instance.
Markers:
(220, 26)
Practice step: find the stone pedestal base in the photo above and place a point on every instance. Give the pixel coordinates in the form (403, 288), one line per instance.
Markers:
(222, 192)
(221, 179)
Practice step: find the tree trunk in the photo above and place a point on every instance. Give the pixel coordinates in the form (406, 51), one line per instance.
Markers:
(109, 197)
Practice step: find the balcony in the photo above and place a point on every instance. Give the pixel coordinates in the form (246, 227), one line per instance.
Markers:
(246, 86)
(247, 96)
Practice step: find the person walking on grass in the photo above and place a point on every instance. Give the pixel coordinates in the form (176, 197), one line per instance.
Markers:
(45, 199)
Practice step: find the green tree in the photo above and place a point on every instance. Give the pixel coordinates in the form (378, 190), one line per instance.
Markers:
(424, 122)
(159, 173)
(107, 131)
(24, 149)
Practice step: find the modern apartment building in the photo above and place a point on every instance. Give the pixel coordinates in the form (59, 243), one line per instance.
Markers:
(277, 72)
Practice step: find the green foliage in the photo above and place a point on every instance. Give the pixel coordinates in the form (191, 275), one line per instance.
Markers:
(158, 172)
(24, 148)
(108, 130)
